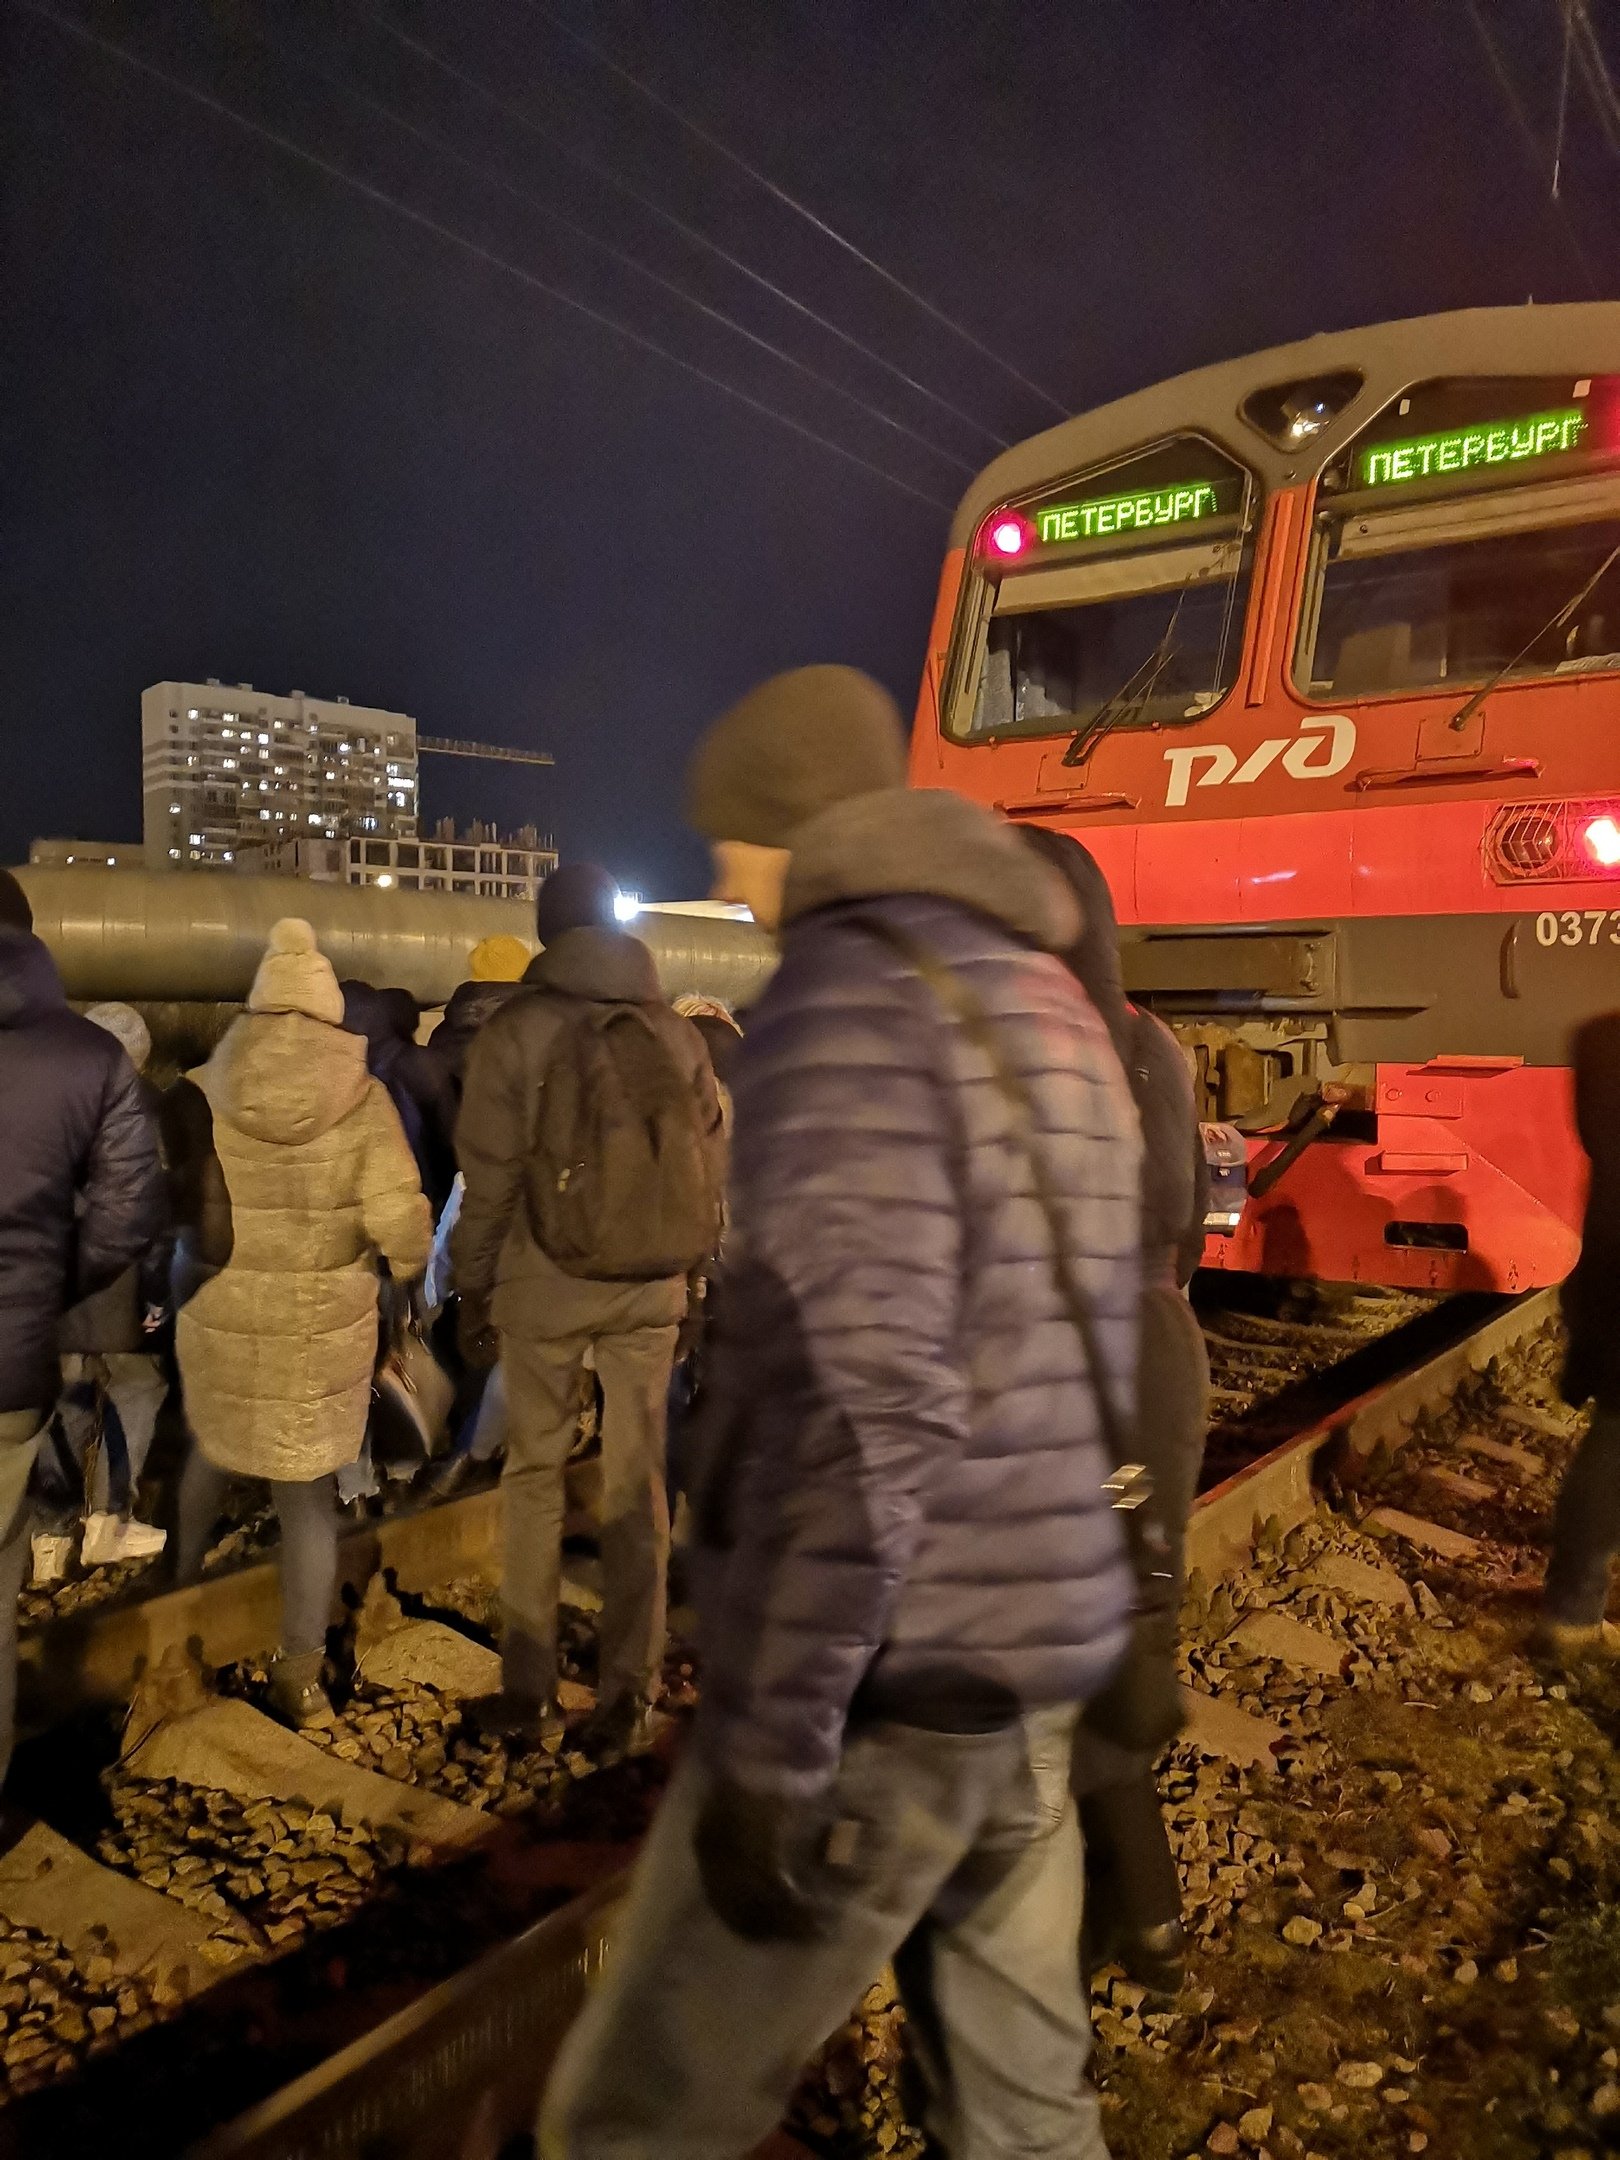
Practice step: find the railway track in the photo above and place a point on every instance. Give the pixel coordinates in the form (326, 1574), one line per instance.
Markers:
(455, 2068)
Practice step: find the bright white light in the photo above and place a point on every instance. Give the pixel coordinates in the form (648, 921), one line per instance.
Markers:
(191, 712)
(195, 839)
(627, 906)
(1603, 841)
(1008, 537)
(385, 880)
(174, 809)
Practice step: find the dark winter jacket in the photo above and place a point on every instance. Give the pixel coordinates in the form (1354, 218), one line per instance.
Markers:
(414, 1079)
(471, 1005)
(1175, 1176)
(898, 1490)
(81, 1190)
(499, 1269)
(110, 1322)
(1591, 1296)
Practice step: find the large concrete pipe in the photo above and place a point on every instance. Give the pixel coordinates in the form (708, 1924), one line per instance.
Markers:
(197, 936)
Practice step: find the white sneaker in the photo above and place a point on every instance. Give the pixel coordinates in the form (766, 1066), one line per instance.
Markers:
(109, 1540)
(52, 1552)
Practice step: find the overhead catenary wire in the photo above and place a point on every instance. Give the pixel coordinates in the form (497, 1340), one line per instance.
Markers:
(665, 216)
(791, 202)
(443, 148)
(475, 248)
(1595, 73)
(1527, 132)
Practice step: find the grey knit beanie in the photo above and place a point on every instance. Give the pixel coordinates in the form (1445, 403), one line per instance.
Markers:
(794, 745)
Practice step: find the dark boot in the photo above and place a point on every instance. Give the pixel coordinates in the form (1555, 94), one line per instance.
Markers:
(518, 1720)
(616, 1729)
(296, 1692)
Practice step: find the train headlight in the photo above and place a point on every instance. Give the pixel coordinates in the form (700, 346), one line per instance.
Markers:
(1553, 843)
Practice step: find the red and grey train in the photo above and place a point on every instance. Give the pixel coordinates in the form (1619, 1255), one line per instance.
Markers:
(1319, 652)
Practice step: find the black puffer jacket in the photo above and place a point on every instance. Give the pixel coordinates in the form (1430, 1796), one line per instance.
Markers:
(471, 1004)
(1592, 1293)
(416, 1085)
(81, 1186)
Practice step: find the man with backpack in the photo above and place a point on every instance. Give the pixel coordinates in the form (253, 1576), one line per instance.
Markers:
(909, 1570)
(590, 1141)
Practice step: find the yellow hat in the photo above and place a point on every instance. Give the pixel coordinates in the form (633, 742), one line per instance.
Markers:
(499, 959)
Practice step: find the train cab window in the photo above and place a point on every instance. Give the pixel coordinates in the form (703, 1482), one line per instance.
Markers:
(1472, 531)
(1114, 600)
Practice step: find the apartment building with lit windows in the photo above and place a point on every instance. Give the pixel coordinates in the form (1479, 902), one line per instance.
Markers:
(224, 766)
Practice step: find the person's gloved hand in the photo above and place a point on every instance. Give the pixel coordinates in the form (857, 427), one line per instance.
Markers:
(754, 1851)
(477, 1340)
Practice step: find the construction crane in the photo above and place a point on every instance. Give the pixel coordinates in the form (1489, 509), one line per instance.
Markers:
(493, 753)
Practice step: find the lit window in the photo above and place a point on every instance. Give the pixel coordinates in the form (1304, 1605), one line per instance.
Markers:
(229, 734)
(174, 809)
(191, 761)
(195, 839)
(227, 716)
(229, 857)
(191, 712)
(314, 817)
(344, 747)
(264, 738)
(264, 814)
(174, 854)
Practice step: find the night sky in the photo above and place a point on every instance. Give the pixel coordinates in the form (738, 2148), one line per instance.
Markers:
(257, 425)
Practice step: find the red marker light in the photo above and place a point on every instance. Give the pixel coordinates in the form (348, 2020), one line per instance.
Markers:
(1008, 535)
(1602, 838)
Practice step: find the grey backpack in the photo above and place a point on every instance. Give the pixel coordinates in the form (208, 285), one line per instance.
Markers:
(622, 1184)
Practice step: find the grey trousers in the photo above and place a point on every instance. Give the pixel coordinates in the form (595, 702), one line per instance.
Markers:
(541, 1379)
(19, 1443)
(306, 1558)
(135, 1386)
(1586, 1527)
(970, 1883)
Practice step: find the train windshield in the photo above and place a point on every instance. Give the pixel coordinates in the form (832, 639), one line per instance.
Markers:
(1115, 600)
(1477, 533)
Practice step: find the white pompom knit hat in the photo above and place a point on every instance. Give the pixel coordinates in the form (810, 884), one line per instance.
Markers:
(295, 976)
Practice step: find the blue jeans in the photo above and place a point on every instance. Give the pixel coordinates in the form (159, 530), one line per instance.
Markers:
(19, 1441)
(691, 2046)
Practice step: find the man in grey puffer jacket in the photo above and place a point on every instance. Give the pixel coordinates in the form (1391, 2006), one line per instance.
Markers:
(909, 1577)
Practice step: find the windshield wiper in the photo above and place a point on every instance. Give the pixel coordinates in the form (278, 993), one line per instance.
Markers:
(1128, 700)
(1461, 718)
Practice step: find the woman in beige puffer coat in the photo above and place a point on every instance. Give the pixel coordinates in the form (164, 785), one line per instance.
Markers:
(277, 1349)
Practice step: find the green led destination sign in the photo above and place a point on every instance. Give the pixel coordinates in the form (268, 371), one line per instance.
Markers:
(1492, 442)
(1126, 513)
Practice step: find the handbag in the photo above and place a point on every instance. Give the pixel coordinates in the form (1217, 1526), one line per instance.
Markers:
(1140, 1707)
(411, 1393)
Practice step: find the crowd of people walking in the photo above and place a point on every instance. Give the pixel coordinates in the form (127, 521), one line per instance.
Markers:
(917, 1234)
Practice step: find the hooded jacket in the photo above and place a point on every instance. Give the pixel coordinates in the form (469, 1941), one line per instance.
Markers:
(81, 1189)
(277, 1350)
(1175, 1176)
(898, 1489)
(386, 1020)
(471, 1005)
(499, 1269)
